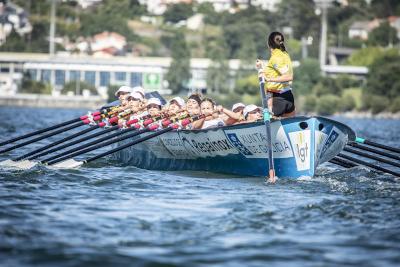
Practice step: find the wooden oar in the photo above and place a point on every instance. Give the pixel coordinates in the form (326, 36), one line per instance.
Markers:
(371, 143)
(373, 166)
(70, 137)
(71, 163)
(98, 141)
(91, 148)
(73, 126)
(95, 142)
(39, 131)
(373, 150)
(267, 122)
(366, 155)
(78, 141)
(82, 118)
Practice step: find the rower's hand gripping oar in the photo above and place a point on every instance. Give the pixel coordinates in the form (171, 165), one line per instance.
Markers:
(267, 121)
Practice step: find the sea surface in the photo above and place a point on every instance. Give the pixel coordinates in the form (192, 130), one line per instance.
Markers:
(107, 214)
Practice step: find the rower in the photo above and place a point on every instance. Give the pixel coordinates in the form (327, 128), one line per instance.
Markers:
(193, 104)
(278, 76)
(233, 116)
(252, 113)
(175, 105)
(122, 92)
(208, 109)
(154, 106)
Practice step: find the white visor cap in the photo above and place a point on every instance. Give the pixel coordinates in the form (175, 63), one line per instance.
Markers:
(136, 95)
(238, 105)
(178, 100)
(138, 89)
(124, 88)
(154, 101)
(250, 108)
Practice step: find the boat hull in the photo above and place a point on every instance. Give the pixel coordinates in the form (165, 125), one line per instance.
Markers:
(300, 144)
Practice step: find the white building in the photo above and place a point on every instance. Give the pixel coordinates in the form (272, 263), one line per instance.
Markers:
(148, 72)
(158, 7)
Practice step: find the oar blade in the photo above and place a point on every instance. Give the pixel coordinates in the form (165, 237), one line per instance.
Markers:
(67, 164)
(23, 164)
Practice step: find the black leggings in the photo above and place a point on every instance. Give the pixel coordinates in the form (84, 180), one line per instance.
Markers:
(282, 103)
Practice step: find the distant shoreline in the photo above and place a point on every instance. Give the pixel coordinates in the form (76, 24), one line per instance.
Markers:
(368, 115)
(48, 101)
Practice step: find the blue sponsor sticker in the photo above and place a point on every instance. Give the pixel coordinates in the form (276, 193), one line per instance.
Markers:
(329, 141)
(236, 143)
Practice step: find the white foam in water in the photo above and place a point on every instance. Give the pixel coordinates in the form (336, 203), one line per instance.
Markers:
(24, 164)
(67, 164)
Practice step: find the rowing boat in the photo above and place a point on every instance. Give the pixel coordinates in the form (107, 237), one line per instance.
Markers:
(300, 145)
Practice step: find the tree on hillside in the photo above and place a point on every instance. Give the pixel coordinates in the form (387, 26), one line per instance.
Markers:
(306, 76)
(384, 76)
(384, 35)
(385, 8)
(178, 74)
(218, 71)
(178, 12)
(300, 16)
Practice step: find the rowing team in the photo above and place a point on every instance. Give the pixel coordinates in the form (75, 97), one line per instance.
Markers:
(212, 115)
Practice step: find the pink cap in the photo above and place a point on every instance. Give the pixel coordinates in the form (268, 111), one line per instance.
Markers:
(185, 122)
(132, 122)
(166, 122)
(153, 127)
(113, 120)
(97, 118)
(147, 122)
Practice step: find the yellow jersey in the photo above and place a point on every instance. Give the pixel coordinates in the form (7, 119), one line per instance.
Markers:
(279, 64)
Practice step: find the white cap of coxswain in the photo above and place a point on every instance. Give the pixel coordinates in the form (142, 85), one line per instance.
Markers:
(238, 105)
(124, 88)
(136, 95)
(178, 100)
(154, 101)
(138, 89)
(250, 108)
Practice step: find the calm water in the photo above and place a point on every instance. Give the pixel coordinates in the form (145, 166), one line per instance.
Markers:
(106, 214)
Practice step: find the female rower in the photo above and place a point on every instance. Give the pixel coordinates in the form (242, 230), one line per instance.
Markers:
(154, 106)
(233, 116)
(208, 109)
(122, 92)
(252, 113)
(278, 75)
(193, 104)
(176, 104)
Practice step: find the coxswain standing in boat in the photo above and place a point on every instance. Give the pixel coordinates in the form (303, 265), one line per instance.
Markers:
(278, 76)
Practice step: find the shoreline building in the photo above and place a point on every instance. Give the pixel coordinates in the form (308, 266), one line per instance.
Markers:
(148, 72)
